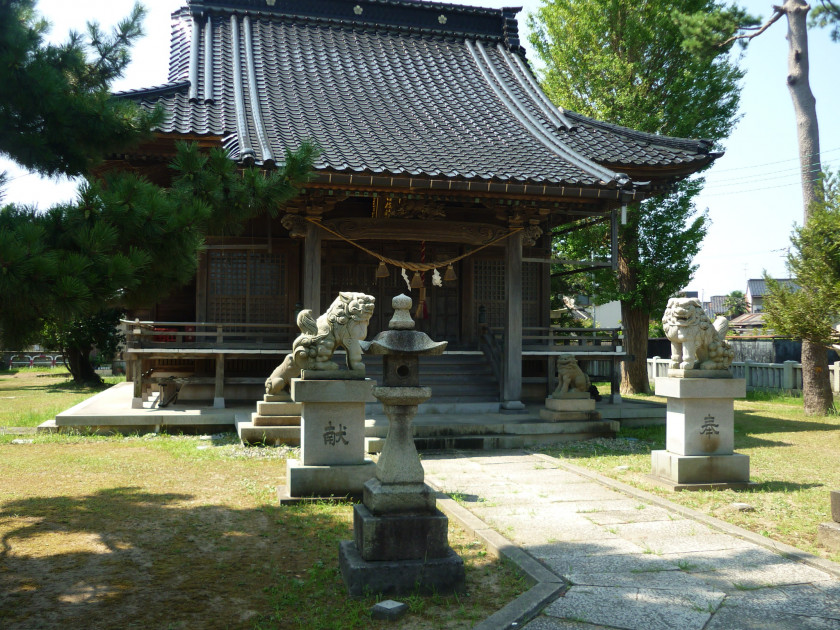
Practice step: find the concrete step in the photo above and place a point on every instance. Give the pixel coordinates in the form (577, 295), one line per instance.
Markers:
(489, 442)
(275, 421)
(431, 427)
(268, 435)
(272, 408)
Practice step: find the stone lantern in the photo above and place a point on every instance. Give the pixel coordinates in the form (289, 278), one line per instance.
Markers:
(400, 537)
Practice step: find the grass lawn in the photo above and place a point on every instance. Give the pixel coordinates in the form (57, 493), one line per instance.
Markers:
(29, 396)
(793, 459)
(165, 531)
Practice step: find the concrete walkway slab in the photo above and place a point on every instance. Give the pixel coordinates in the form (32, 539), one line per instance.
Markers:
(602, 554)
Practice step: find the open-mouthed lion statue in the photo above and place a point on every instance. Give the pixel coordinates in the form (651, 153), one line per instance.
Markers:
(344, 324)
(696, 343)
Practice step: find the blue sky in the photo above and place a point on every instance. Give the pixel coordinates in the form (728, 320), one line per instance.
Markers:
(752, 194)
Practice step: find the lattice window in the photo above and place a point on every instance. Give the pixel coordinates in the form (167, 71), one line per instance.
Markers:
(491, 293)
(247, 287)
(489, 290)
(531, 280)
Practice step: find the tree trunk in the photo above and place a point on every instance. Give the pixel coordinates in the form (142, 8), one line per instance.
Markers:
(634, 320)
(78, 362)
(634, 378)
(816, 387)
(804, 103)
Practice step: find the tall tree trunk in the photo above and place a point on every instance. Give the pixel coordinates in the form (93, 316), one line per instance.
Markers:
(634, 378)
(804, 103)
(78, 362)
(816, 388)
(634, 320)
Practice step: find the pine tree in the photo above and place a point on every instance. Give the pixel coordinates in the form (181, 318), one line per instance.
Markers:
(125, 242)
(56, 113)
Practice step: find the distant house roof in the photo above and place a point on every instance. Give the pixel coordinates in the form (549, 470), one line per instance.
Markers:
(716, 304)
(758, 287)
(394, 88)
(747, 320)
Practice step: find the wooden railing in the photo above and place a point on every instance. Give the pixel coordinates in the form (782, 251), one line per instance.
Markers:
(157, 334)
(600, 339)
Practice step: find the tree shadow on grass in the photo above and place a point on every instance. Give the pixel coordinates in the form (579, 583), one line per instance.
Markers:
(753, 422)
(127, 558)
(123, 557)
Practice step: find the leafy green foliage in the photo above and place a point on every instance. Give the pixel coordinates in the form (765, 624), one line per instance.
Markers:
(735, 304)
(626, 62)
(127, 242)
(811, 311)
(826, 14)
(57, 115)
(665, 234)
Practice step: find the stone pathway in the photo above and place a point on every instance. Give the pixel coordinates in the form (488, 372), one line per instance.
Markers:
(610, 556)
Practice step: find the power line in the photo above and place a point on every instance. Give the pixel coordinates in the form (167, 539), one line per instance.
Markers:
(739, 192)
(712, 178)
(796, 159)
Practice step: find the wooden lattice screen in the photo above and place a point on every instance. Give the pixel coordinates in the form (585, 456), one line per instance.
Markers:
(247, 287)
(489, 291)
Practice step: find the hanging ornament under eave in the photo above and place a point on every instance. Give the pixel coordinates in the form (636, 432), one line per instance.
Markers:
(382, 270)
(449, 276)
(416, 281)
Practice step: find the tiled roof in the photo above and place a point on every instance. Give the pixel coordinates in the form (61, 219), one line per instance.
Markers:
(757, 287)
(392, 87)
(716, 304)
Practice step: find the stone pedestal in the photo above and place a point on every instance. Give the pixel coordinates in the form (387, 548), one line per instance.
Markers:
(828, 534)
(332, 438)
(575, 414)
(700, 435)
(401, 540)
(573, 407)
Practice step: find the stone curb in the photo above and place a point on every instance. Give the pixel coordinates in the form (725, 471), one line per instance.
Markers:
(727, 528)
(545, 585)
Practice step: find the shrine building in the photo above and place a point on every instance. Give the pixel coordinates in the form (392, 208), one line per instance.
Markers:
(437, 147)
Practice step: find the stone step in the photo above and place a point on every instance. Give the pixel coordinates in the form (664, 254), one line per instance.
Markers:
(265, 408)
(275, 421)
(378, 428)
(490, 442)
(271, 436)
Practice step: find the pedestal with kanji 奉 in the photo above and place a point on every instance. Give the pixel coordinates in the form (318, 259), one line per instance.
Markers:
(700, 435)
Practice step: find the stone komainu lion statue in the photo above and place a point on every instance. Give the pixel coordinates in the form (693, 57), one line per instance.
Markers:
(569, 376)
(344, 324)
(696, 343)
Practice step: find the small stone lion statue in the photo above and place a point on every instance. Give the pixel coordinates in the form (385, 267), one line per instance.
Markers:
(344, 324)
(570, 377)
(696, 343)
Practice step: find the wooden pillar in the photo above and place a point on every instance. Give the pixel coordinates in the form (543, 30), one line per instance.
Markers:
(312, 269)
(219, 393)
(512, 373)
(137, 374)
